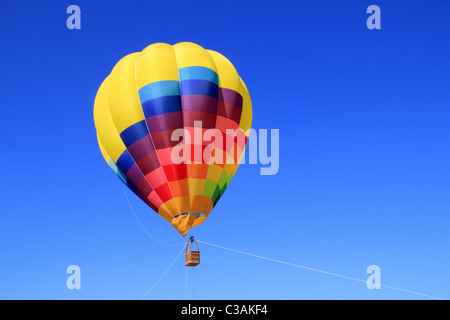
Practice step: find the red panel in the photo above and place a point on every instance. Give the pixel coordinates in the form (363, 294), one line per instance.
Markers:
(155, 200)
(156, 177)
(175, 172)
(164, 192)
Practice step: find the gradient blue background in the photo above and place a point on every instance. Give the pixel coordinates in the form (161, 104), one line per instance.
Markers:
(364, 173)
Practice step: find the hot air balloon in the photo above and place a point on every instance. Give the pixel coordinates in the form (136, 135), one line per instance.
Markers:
(142, 105)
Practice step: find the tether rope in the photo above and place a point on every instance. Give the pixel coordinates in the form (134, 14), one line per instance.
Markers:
(316, 270)
(186, 287)
(162, 276)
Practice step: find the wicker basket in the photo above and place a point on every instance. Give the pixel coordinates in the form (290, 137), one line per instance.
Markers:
(192, 257)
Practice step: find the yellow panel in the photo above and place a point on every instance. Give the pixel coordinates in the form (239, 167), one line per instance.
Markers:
(183, 203)
(106, 129)
(214, 172)
(196, 202)
(206, 203)
(247, 112)
(103, 150)
(190, 54)
(123, 97)
(163, 212)
(155, 63)
(229, 168)
(228, 76)
(172, 207)
(196, 187)
(208, 211)
(198, 221)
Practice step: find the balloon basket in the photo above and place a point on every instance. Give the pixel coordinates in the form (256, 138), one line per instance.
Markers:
(192, 257)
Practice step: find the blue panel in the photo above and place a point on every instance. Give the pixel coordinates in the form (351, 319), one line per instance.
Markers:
(134, 132)
(125, 161)
(199, 87)
(199, 73)
(131, 186)
(161, 105)
(159, 89)
(112, 165)
(122, 176)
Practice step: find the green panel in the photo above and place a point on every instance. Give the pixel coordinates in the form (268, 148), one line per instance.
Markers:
(223, 179)
(216, 194)
(210, 186)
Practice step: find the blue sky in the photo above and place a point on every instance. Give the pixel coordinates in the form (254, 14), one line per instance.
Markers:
(364, 175)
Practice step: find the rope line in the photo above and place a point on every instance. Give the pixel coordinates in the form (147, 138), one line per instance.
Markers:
(145, 230)
(162, 276)
(186, 287)
(316, 270)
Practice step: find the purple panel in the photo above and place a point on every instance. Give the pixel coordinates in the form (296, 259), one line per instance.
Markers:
(134, 174)
(199, 103)
(144, 187)
(230, 96)
(165, 121)
(141, 148)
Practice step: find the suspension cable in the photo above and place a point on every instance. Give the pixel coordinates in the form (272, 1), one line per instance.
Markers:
(145, 230)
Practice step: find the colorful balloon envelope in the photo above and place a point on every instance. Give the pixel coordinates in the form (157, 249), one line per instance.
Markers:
(172, 122)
